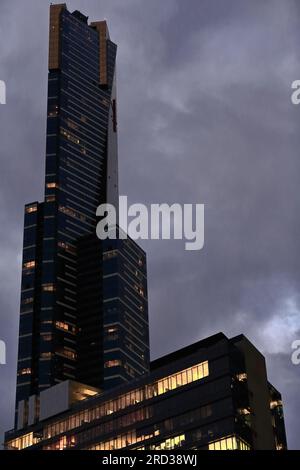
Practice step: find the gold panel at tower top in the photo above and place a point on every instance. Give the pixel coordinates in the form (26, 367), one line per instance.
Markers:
(101, 27)
(54, 36)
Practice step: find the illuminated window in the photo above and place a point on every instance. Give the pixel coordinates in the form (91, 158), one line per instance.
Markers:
(46, 355)
(29, 265)
(48, 287)
(184, 377)
(51, 185)
(62, 325)
(67, 247)
(275, 404)
(123, 401)
(54, 111)
(27, 301)
(242, 377)
(169, 444)
(71, 212)
(113, 363)
(68, 353)
(110, 254)
(113, 329)
(244, 411)
(65, 327)
(22, 442)
(26, 371)
(71, 137)
(31, 209)
(229, 443)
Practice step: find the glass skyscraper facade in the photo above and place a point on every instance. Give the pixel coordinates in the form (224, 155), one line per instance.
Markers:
(56, 338)
(118, 351)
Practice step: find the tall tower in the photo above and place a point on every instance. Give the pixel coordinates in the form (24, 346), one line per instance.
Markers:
(81, 173)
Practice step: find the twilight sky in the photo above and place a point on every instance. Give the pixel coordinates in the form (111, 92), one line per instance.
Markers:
(205, 116)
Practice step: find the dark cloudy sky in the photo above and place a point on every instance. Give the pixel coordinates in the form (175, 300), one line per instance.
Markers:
(204, 117)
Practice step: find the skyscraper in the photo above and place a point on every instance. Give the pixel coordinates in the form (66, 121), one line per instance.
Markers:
(59, 328)
(118, 349)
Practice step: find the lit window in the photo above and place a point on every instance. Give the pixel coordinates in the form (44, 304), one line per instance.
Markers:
(30, 209)
(53, 112)
(71, 212)
(113, 363)
(67, 247)
(229, 443)
(65, 327)
(113, 329)
(70, 136)
(110, 254)
(22, 442)
(275, 404)
(66, 352)
(29, 265)
(169, 444)
(46, 355)
(242, 377)
(26, 371)
(52, 185)
(125, 400)
(244, 411)
(48, 287)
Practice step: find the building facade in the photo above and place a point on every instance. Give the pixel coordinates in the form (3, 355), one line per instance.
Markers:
(118, 349)
(61, 330)
(207, 396)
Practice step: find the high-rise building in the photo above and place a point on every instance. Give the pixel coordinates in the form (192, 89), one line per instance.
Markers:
(211, 395)
(84, 375)
(118, 351)
(63, 320)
